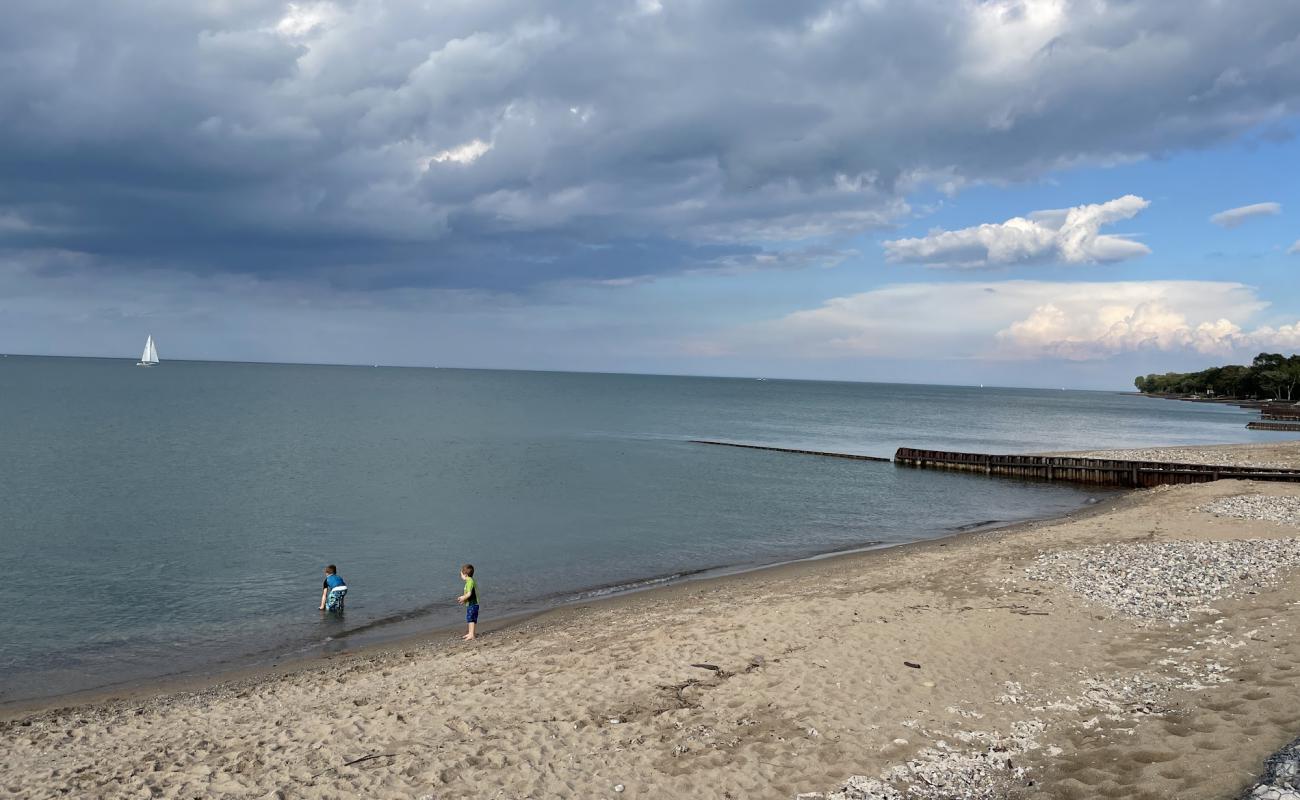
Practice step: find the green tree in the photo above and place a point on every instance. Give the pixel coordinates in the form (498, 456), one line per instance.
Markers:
(1268, 361)
(1269, 374)
(1283, 378)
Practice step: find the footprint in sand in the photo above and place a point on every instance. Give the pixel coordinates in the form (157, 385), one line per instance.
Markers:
(1180, 729)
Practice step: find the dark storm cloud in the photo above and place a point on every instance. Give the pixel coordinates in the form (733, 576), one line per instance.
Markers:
(501, 144)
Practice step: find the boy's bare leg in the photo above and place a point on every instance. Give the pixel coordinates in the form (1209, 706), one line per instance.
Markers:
(470, 635)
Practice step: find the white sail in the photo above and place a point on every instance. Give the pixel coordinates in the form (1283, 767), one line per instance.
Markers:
(150, 354)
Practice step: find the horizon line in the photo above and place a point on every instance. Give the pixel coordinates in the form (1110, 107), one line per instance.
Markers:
(566, 372)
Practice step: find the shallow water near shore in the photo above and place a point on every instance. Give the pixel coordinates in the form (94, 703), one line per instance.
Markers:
(174, 519)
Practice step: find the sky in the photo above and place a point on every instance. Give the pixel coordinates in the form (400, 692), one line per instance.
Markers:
(1002, 192)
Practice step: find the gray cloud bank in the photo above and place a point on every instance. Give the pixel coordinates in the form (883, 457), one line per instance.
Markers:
(502, 143)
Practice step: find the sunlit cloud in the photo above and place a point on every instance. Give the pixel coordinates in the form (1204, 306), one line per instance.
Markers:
(1021, 320)
(303, 19)
(1071, 235)
(466, 153)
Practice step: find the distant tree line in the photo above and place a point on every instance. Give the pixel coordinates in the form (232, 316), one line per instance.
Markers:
(1270, 375)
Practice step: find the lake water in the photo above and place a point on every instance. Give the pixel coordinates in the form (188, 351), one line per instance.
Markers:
(166, 520)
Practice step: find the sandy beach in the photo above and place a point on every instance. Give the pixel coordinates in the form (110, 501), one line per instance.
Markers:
(1145, 647)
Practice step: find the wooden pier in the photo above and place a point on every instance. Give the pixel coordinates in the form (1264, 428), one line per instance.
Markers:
(1096, 471)
(1274, 426)
(1069, 469)
(1280, 411)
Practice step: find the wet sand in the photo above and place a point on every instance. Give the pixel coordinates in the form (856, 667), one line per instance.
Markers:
(939, 661)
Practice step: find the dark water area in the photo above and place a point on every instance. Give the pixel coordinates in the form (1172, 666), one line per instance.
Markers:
(165, 520)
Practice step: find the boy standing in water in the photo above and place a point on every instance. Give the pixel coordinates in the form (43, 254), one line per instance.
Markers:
(333, 590)
(470, 599)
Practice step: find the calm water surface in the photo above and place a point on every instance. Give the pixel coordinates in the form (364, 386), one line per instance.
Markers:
(165, 520)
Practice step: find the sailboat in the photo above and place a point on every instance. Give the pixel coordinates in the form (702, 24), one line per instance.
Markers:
(150, 356)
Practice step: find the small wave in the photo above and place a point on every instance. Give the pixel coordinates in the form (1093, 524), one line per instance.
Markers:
(970, 526)
(631, 586)
(391, 619)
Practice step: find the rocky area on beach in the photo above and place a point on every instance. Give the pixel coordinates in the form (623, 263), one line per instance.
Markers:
(978, 765)
(1266, 508)
(1279, 455)
(1281, 779)
(1168, 581)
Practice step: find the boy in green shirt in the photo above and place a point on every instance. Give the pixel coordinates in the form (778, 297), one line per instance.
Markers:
(470, 599)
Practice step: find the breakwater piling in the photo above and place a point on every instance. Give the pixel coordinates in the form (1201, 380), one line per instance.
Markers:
(1280, 411)
(1096, 471)
(1274, 426)
(1069, 469)
(791, 450)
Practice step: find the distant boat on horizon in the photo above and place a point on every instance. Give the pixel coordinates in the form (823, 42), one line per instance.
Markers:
(149, 357)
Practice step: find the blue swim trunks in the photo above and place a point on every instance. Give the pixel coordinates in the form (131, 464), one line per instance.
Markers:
(471, 612)
(334, 600)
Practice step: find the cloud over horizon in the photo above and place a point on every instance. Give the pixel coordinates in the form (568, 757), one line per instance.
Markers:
(1022, 319)
(1070, 235)
(503, 144)
(1233, 217)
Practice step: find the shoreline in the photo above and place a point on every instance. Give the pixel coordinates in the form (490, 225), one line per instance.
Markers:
(1146, 646)
(254, 669)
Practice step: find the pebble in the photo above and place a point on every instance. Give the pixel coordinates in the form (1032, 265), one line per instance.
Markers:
(1167, 581)
(1283, 509)
(1274, 793)
(1225, 457)
(942, 773)
(1281, 779)
(618, 787)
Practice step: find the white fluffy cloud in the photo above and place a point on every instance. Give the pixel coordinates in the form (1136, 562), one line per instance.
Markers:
(1294, 249)
(1233, 217)
(1081, 330)
(1071, 235)
(1025, 320)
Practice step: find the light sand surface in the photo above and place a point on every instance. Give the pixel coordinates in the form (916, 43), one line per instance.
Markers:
(806, 686)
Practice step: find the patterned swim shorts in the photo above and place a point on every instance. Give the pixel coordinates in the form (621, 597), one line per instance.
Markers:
(334, 600)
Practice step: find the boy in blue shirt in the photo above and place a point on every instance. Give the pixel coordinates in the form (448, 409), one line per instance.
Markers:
(333, 591)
